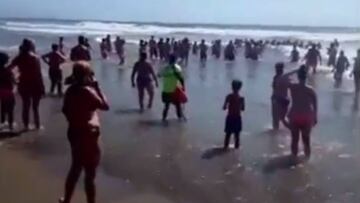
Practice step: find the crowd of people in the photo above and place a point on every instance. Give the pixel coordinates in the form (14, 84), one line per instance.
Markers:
(84, 97)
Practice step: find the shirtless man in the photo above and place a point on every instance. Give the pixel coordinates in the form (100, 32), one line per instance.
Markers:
(295, 55)
(167, 48)
(145, 76)
(356, 73)
(54, 59)
(342, 64)
(203, 51)
(279, 99)
(153, 48)
(104, 49)
(229, 52)
(142, 47)
(195, 48)
(303, 113)
(160, 46)
(313, 57)
(119, 47)
(108, 43)
(80, 52)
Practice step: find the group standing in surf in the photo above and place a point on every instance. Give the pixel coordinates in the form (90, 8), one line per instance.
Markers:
(84, 97)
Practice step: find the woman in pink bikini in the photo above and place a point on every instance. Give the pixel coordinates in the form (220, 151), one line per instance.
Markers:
(303, 113)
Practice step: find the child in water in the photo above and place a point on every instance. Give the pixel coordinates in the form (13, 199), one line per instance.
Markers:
(234, 103)
(7, 95)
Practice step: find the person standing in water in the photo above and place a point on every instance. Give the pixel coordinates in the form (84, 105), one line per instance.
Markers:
(279, 99)
(332, 52)
(303, 113)
(80, 52)
(153, 48)
(229, 52)
(235, 104)
(195, 48)
(7, 92)
(203, 51)
(54, 59)
(172, 76)
(82, 100)
(104, 48)
(313, 58)
(342, 64)
(295, 55)
(61, 45)
(31, 86)
(145, 76)
(120, 50)
(356, 73)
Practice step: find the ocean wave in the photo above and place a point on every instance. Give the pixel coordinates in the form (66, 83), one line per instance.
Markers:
(128, 29)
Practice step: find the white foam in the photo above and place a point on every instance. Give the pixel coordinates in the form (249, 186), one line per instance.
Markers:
(100, 28)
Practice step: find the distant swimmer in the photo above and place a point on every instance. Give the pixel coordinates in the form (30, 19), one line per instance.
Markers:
(313, 58)
(341, 66)
(80, 52)
(82, 100)
(31, 85)
(302, 114)
(356, 73)
(145, 75)
(279, 99)
(203, 51)
(295, 55)
(104, 49)
(153, 48)
(61, 45)
(229, 52)
(195, 48)
(235, 104)
(332, 52)
(119, 45)
(55, 59)
(7, 92)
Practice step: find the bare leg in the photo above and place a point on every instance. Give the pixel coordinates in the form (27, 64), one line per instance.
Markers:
(71, 180)
(141, 97)
(35, 106)
(150, 91)
(295, 133)
(179, 112)
(90, 188)
(237, 140)
(305, 135)
(3, 111)
(275, 115)
(26, 110)
(227, 140)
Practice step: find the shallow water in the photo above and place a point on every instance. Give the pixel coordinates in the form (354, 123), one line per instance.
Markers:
(145, 161)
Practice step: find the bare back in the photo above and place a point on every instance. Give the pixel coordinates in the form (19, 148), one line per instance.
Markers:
(303, 99)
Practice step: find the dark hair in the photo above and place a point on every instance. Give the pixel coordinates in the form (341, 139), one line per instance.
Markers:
(81, 70)
(302, 72)
(54, 47)
(236, 84)
(143, 56)
(279, 66)
(81, 40)
(4, 59)
(26, 46)
(172, 59)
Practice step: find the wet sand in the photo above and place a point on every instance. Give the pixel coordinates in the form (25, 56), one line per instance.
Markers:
(145, 161)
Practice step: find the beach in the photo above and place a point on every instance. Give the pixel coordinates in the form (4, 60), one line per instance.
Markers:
(144, 161)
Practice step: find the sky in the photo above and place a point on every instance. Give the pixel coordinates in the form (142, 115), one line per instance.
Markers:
(264, 12)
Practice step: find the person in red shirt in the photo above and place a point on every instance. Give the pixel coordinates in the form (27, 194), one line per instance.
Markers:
(54, 59)
(31, 86)
(7, 95)
(235, 104)
(80, 52)
(82, 100)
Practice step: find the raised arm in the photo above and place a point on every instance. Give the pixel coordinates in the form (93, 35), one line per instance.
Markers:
(133, 74)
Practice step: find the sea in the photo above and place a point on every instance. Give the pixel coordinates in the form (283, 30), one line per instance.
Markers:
(12, 30)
